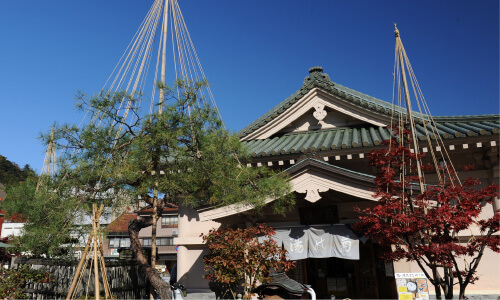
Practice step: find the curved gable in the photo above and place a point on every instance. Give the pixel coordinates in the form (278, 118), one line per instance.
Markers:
(312, 177)
(323, 104)
(317, 96)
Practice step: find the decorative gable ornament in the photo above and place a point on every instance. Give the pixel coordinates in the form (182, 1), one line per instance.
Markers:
(320, 112)
(317, 77)
(332, 106)
(312, 191)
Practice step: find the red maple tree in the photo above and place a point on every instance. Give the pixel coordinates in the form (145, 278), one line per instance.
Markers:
(433, 228)
(238, 257)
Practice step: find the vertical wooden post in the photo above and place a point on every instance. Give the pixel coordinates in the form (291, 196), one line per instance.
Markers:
(94, 245)
(160, 110)
(153, 232)
(79, 268)
(96, 266)
(101, 255)
(163, 55)
(408, 108)
(107, 291)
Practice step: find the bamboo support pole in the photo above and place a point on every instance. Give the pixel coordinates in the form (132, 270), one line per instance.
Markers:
(82, 259)
(408, 108)
(160, 110)
(79, 268)
(96, 266)
(163, 55)
(105, 282)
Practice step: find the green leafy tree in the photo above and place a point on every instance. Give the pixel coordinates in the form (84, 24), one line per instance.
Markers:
(11, 173)
(48, 215)
(181, 154)
(243, 257)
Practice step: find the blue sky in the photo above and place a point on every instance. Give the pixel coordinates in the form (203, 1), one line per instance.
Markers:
(254, 53)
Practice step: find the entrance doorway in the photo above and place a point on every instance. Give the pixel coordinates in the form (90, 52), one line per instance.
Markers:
(366, 278)
(332, 276)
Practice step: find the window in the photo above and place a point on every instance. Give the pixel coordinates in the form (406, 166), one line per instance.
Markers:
(114, 242)
(165, 241)
(117, 242)
(161, 241)
(169, 221)
(125, 242)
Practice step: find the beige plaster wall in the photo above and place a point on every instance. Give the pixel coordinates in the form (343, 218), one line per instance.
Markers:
(190, 268)
(191, 249)
(488, 272)
(160, 232)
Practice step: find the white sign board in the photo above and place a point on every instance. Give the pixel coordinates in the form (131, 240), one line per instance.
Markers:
(412, 286)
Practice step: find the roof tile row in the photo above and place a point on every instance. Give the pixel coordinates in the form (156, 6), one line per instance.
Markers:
(341, 138)
(318, 79)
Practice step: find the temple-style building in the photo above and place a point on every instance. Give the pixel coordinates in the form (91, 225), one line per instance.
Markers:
(321, 136)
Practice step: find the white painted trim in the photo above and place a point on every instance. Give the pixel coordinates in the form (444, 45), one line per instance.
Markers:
(186, 240)
(311, 182)
(317, 181)
(226, 211)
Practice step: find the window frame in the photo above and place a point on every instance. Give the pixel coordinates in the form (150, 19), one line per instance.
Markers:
(172, 223)
(115, 242)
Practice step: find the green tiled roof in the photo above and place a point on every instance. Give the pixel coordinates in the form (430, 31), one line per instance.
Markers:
(318, 79)
(342, 138)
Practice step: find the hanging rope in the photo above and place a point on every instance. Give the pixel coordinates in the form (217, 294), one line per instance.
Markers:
(165, 30)
(421, 124)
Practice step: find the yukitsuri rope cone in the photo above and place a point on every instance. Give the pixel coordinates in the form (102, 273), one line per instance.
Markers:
(94, 254)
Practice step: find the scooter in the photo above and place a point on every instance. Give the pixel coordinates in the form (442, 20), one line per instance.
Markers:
(176, 291)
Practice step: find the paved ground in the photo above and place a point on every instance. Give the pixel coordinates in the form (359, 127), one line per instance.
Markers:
(200, 296)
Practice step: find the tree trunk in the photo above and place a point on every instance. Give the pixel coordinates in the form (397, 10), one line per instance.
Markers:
(461, 294)
(448, 283)
(448, 292)
(436, 282)
(472, 270)
(161, 287)
(437, 289)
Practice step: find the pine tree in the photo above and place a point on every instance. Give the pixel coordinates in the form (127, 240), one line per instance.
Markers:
(182, 155)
